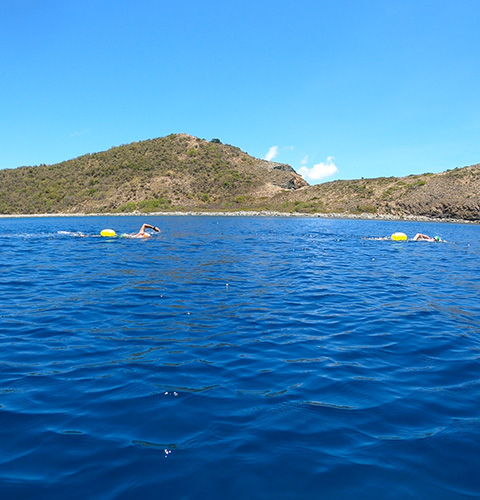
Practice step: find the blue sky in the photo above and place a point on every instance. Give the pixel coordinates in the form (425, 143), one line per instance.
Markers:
(337, 89)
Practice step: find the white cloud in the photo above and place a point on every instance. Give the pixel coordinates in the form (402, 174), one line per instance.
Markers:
(272, 152)
(305, 160)
(319, 171)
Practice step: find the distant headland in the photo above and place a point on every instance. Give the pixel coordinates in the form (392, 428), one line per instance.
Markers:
(182, 174)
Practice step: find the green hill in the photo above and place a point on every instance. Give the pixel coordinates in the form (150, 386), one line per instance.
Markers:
(177, 172)
(183, 173)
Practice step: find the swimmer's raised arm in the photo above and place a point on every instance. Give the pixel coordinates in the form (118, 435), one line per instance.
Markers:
(143, 234)
(155, 228)
(422, 237)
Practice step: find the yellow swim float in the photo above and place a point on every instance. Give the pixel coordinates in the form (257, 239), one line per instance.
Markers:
(399, 237)
(108, 233)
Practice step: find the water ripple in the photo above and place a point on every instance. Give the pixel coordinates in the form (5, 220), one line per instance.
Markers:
(238, 358)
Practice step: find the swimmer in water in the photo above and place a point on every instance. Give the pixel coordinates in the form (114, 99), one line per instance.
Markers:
(424, 237)
(143, 234)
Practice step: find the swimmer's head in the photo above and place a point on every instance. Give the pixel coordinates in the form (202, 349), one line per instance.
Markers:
(437, 238)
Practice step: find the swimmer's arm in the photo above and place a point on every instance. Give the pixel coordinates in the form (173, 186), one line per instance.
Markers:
(149, 226)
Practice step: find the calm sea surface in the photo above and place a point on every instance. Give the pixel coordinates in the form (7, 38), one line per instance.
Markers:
(238, 358)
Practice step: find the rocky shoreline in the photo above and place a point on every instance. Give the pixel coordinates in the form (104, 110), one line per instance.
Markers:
(247, 213)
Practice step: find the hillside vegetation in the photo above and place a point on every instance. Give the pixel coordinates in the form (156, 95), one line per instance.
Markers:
(454, 194)
(183, 173)
(178, 172)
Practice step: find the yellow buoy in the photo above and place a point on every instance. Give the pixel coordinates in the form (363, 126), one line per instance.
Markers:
(399, 237)
(108, 232)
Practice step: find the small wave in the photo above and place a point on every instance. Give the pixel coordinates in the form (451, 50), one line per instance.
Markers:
(75, 234)
(379, 238)
(43, 235)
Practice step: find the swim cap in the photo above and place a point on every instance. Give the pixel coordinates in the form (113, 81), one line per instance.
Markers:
(437, 238)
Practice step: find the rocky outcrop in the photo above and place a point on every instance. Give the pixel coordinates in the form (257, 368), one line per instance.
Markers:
(454, 194)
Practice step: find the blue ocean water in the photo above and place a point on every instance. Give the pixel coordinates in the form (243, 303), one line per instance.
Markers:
(239, 358)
